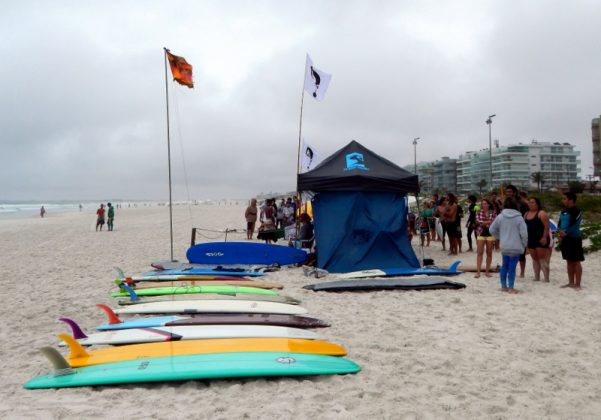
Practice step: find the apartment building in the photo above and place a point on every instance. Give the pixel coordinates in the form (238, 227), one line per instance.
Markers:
(514, 164)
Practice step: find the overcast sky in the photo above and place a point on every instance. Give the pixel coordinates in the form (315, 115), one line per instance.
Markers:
(82, 108)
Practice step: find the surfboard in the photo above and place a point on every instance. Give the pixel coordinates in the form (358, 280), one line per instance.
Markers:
(169, 265)
(173, 277)
(293, 321)
(80, 357)
(202, 272)
(224, 253)
(209, 296)
(473, 268)
(191, 332)
(208, 318)
(427, 283)
(166, 278)
(186, 282)
(438, 227)
(182, 290)
(198, 366)
(403, 271)
(212, 306)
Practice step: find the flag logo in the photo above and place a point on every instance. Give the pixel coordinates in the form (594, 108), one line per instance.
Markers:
(316, 81)
(310, 157)
(180, 69)
(355, 161)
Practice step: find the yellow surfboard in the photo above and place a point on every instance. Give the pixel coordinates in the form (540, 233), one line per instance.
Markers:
(80, 357)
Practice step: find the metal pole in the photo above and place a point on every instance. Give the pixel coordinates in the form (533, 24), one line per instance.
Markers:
(169, 157)
(415, 155)
(489, 122)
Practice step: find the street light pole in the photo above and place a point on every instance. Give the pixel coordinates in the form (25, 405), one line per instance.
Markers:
(489, 122)
(415, 155)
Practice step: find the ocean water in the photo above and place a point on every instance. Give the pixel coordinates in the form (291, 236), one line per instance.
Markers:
(33, 209)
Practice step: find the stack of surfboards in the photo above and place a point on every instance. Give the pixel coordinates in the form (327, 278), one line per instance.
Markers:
(205, 330)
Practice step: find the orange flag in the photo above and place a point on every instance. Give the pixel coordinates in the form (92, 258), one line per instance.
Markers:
(181, 70)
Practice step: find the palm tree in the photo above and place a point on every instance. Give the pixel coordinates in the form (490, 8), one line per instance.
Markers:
(481, 184)
(539, 179)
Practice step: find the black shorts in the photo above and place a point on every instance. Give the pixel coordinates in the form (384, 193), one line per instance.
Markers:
(571, 249)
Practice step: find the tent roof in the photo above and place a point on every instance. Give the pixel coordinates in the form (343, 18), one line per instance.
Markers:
(356, 168)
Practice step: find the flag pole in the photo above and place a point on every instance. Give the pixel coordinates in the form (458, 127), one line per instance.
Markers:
(169, 155)
(300, 129)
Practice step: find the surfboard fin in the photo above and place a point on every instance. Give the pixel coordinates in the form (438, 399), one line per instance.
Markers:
(132, 294)
(120, 273)
(454, 266)
(113, 318)
(61, 366)
(76, 350)
(77, 331)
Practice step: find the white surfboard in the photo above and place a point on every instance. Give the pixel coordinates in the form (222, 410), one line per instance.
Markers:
(362, 273)
(439, 230)
(192, 332)
(212, 306)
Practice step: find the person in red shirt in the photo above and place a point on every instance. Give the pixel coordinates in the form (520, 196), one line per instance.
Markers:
(100, 219)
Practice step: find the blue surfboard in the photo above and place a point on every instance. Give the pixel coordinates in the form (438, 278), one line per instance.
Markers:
(193, 271)
(244, 253)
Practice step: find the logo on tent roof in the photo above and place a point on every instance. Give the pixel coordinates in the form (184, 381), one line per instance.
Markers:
(355, 161)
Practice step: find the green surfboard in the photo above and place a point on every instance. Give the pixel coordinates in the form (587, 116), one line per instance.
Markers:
(198, 366)
(182, 290)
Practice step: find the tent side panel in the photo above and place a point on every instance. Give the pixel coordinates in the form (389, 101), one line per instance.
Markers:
(362, 230)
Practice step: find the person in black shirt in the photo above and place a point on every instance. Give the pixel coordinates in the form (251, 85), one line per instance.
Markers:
(571, 239)
(471, 220)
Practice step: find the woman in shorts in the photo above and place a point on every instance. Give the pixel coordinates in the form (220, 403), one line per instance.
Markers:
(484, 239)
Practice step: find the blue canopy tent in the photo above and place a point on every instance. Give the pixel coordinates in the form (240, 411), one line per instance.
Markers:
(360, 211)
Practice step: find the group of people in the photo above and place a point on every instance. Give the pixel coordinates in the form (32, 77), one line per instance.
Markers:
(274, 217)
(271, 215)
(516, 226)
(100, 217)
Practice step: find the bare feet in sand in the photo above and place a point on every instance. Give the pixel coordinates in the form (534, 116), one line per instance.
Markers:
(477, 276)
(503, 289)
(488, 275)
(567, 285)
(536, 279)
(512, 291)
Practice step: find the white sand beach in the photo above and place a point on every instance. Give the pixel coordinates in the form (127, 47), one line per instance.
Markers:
(472, 353)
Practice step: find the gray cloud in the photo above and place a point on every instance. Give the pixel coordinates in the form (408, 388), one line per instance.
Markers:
(83, 100)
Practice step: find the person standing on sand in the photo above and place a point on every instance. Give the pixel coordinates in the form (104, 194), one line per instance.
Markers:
(100, 217)
(42, 212)
(511, 231)
(571, 239)
(471, 221)
(537, 221)
(110, 217)
(251, 218)
(484, 240)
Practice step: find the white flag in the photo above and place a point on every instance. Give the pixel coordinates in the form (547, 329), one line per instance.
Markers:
(309, 157)
(316, 81)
